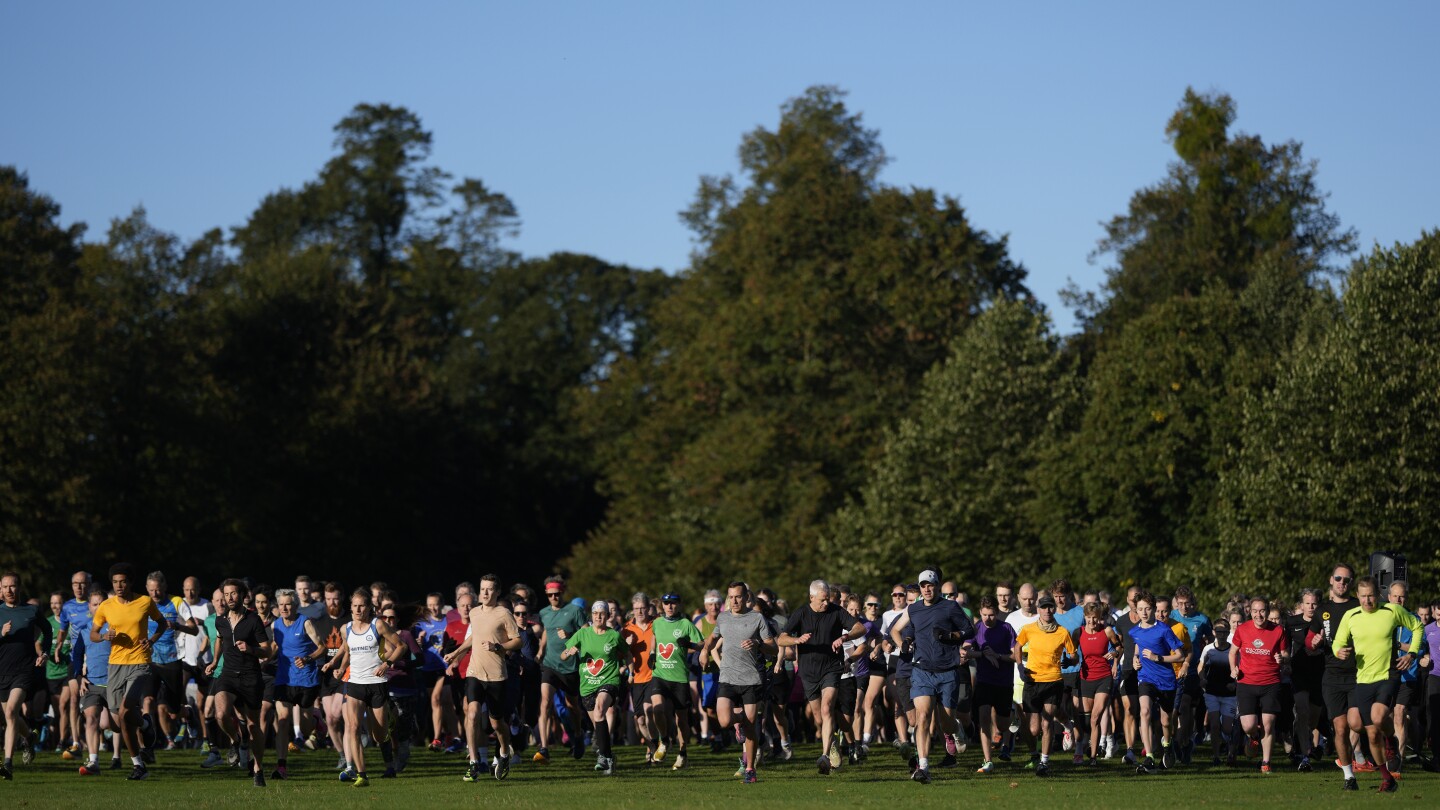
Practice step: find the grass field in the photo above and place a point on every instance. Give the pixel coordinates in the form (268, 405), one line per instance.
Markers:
(433, 780)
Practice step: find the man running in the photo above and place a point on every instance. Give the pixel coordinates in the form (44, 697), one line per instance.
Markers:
(1338, 681)
(128, 680)
(1371, 628)
(640, 636)
(1157, 649)
(297, 673)
(166, 701)
(1405, 683)
(1191, 693)
(1306, 670)
(94, 672)
(743, 636)
(330, 628)
(941, 627)
(429, 632)
(493, 633)
(670, 697)
(603, 652)
(819, 630)
(558, 673)
(24, 638)
(194, 652)
(1048, 649)
(75, 616)
(239, 689)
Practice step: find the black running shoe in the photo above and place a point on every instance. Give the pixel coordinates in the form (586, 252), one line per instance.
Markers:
(137, 774)
(1350, 784)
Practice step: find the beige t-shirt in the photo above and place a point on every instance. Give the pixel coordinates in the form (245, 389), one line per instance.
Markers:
(495, 624)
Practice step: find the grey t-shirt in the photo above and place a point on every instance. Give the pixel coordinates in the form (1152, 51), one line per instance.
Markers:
(739, 666)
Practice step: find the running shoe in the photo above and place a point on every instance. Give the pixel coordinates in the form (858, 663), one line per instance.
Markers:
(90, 769)
(950, 745)
(147, 755)
(1146, 767)
(348, 775)
(213, 760)
(1265, 768)
(361, 781)
(389, 773)
(921, 775)
(1304, 766)
(281, 772)
(259, 778)
(1130, 758)
(1389, 785)
(1067, 741)
(988, 767)
(501, 767)
(659, 755)
(609, 766)
(679, 761)
(834, 756)
(1043, 769)
(1078, 759)
(137, 774)
(787, 752)
(948, 761)
(456, 746)
(472, 773)
(70, 753)
(577, 748)
(542, 756)
(115, 764)
(1350, 784)
(1365, 767)
(751, 778)
(27, 749)
(823, 765)
(436, 745)
(292, 748)
(5, 773)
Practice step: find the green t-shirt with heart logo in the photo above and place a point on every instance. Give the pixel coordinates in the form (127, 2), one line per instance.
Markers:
(673, 639)
(601, 657)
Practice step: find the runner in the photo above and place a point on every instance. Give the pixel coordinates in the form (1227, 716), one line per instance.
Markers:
(994, 679)
(167, 673)
(402, 689)
(194, 656)
(1098, 646)
(297, 674)
(640, 636)
(603, 652)
(1157, 648)
(1432, 687)
(742, 636)
(558, 673)
(128, 680)
(369, 650)
(59, 689)
(1404, 682)
(1260, 650)
(1338, 680)
(457, 627)
(429, 632)
(1071, 618)
(94, 672)
(24, 638)
(707, 683)
(1023, 615)
(330, 628)
(941, 627)
(312, 610)
(74, 615)
(818, 630)
(670, 698)
(1048, 648)
(1371, 628)
(1191, 694)
(1220, 705)
(1169, 714)
(1306, 669)
(493, 633)
(1129, 689)
(241, 641)
(876, 666)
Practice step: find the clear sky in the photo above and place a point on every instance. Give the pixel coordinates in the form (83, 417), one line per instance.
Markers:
(598, 118)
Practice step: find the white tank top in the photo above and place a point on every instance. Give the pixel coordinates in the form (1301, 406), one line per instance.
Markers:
(364, 654)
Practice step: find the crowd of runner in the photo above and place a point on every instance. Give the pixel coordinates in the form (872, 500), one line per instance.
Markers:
(119, 668)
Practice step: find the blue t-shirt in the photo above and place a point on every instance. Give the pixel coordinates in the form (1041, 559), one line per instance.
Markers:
(1072, 620)
(1403, 635)
(97, 657)
(434, 629)
(164, 650)
(294, 642)
(905, 661)
(1198, 626)
(945, 614)
(1161, 640)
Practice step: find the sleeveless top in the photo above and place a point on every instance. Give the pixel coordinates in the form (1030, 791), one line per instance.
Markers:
(364, 654)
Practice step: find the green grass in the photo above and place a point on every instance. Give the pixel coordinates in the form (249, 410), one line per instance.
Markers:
(177, 782)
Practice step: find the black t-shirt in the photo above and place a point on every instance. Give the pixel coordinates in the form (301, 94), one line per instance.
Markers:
(824, 627)
(249, 629)
(1325, 623)
(1123, 626)
(1305, 668)
(332, 635)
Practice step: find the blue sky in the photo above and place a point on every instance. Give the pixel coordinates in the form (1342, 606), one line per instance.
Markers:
(599, 118)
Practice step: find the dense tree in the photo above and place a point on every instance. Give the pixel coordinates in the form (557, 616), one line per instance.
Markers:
(816, 300)
(1342, 457)
(953, 482)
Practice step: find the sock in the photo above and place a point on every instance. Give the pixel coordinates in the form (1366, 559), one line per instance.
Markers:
(602, 737)
(866, 739)
(924, 763)
(94, 759)
(1348, 770)
(1358, 757)
(482, 754)
(1044, 759)
(136, 762)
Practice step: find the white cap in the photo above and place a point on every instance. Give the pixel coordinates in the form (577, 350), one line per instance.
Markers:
(929, 576)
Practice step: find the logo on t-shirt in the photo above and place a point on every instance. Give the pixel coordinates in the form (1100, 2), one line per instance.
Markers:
(594, 667)
(1257, 643)
(666, 650)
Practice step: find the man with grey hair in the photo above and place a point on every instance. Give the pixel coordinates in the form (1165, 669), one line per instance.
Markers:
(640, 635)
(819, 631)
(167, 681)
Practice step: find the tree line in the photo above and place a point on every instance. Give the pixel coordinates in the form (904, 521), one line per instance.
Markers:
(849, 379)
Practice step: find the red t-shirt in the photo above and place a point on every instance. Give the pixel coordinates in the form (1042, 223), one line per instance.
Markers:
(456, 629)
(1093, 646)
(1258, 646)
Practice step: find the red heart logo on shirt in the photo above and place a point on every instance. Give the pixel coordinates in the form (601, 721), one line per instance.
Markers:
(594, 667)
(666, 650)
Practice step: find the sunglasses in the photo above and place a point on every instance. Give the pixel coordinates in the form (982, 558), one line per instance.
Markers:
(554, 595)
(947, 596)
(872, 604)
(520, 614)
(900, 595)
(1343, 579)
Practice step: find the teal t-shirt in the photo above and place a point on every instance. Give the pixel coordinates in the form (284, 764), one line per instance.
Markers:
(570, 619)
(54, 671)
(600, 659)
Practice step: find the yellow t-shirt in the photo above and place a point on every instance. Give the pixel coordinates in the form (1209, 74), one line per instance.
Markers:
(1183, 634)
(1043, 650)
(127, 622)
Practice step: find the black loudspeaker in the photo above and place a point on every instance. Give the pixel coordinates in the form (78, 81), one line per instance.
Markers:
(1386, 567)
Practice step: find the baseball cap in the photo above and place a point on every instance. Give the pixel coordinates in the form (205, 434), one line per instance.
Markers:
(1046, 601)
(930, 576)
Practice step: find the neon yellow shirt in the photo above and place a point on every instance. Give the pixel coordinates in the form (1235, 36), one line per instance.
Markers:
(1373, 635)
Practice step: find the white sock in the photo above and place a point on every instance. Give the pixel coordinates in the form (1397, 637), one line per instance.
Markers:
(1044, 759)
(1348, 771)
(136, 762)
(924, 763)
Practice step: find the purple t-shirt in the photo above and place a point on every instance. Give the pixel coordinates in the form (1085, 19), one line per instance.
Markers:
(1432, 643)
(999, 639)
